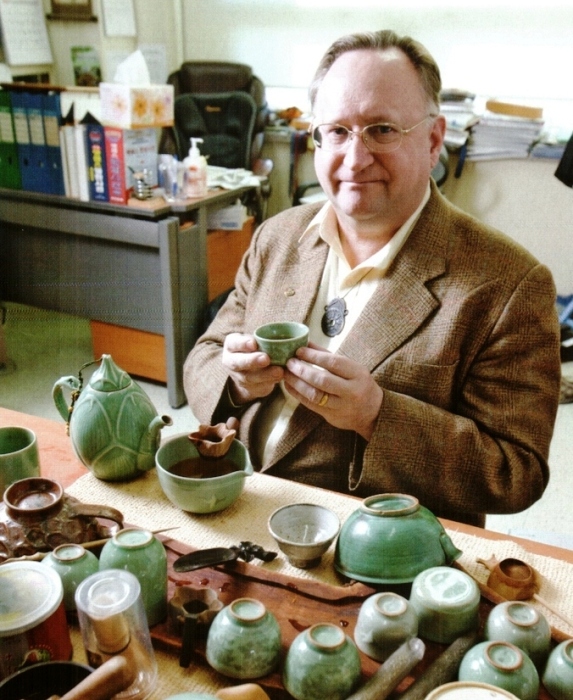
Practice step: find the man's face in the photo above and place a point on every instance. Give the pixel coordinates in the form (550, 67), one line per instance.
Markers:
(376, 191)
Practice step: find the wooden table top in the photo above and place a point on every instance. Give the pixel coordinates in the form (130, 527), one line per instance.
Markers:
(58, 461)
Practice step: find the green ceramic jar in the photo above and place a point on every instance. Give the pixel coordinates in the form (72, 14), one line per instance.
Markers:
(322, 663)
(244, 640)
(136, 550)
(503, 665)
(73, 563)
(558, 674)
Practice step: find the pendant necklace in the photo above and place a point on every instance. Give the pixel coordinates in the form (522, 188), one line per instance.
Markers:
(335, 312)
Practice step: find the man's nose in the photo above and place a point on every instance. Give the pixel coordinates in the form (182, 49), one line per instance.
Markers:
(357, 155)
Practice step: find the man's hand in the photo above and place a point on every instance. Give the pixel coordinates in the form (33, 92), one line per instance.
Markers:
(250, 370)
(338, 388)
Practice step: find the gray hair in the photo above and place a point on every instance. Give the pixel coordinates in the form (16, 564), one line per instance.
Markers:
(385, 39)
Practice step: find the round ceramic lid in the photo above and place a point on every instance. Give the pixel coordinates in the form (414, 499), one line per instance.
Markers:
(446, 589)
(469, 690)
(29, 593)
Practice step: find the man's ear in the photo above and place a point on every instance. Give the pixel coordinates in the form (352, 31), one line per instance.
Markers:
(437, 136)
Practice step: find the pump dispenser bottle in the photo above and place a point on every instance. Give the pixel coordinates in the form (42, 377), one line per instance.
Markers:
(195, 167)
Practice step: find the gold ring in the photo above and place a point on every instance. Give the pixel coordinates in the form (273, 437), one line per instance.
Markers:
(324, 400)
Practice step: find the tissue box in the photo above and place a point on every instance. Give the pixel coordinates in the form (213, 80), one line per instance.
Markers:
(133, 107)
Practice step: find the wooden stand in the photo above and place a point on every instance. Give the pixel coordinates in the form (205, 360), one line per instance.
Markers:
(142, 353)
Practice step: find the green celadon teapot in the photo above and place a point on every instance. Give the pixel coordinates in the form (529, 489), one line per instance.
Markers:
(113, 425)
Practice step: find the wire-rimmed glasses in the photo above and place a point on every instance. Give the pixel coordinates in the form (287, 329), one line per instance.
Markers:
(379, 138)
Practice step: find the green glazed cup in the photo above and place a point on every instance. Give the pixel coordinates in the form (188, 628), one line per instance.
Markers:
(503, 665)
(322, 662)
(19, 458)
(446, 602)
(244, 640)
(520, 623)
(558, 674)
(73, 563)
(137, 550)
(281, 340)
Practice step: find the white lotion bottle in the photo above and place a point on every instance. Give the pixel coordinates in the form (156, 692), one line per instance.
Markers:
(195, 169)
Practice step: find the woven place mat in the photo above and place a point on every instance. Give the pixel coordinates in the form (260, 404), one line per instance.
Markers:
(143, 503)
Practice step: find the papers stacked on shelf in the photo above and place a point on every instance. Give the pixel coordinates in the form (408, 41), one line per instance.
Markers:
(502, 132)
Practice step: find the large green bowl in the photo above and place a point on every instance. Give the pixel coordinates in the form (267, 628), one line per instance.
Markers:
(390, 539)
(206, 495)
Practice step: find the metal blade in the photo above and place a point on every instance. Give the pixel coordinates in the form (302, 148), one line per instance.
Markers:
(204, 558)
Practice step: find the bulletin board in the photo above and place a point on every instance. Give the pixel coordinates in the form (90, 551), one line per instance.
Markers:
(24, 33)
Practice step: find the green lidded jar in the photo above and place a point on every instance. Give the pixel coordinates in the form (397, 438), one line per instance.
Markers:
(137, 550)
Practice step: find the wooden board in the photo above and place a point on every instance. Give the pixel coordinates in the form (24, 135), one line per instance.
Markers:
(296, 603)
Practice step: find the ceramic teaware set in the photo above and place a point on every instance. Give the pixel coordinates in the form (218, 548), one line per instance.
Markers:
(389, 540)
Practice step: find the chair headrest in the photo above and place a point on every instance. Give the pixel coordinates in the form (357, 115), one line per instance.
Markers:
(213, 76)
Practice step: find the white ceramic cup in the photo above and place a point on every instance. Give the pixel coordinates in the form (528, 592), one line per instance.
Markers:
(19, 457)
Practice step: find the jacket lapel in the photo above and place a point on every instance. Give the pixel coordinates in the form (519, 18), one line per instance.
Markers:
(399, 306)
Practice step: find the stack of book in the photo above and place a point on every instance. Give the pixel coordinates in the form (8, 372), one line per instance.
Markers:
(505, 130)
(100, 161)
(43, 151)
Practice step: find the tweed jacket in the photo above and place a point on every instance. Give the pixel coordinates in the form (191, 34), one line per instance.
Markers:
(461, 334)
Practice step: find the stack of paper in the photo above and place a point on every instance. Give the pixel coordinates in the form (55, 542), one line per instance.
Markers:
(458, 109)
(502, 133)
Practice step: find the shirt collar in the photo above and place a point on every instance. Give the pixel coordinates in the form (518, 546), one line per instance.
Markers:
(326, 223)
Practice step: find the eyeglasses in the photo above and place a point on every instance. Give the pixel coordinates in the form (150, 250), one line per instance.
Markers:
(378, 138)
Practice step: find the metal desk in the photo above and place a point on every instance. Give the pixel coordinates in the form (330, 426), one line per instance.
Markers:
(143, 266)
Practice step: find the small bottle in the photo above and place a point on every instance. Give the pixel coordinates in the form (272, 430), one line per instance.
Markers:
(195, 166)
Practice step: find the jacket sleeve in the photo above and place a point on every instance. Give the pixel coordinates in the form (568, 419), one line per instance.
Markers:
(489, 454)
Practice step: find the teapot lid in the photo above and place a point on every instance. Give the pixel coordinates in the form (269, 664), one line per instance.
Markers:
(109, 377)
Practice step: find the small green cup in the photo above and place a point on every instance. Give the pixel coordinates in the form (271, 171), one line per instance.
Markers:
(19, 456)
(281, 340)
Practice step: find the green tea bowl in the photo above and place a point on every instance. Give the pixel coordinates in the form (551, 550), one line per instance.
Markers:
(390, 539)
(206, 494)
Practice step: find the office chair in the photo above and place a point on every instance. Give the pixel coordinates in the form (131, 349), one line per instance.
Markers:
(208, 77)
(224, 104)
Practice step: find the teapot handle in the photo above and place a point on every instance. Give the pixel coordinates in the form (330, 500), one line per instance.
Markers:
(71, 383)
(96, 511)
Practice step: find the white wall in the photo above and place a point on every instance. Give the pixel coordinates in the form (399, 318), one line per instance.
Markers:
(513, 49)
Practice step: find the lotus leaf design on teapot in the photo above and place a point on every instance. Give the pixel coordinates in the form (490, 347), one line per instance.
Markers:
(113, 425)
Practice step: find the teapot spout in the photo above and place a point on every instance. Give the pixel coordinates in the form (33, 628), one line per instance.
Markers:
(150, 442)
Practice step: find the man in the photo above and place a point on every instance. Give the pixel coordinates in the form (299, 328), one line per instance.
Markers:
(433, 367)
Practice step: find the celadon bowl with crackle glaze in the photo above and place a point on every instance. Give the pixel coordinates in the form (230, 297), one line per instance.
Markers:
(390, 539)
